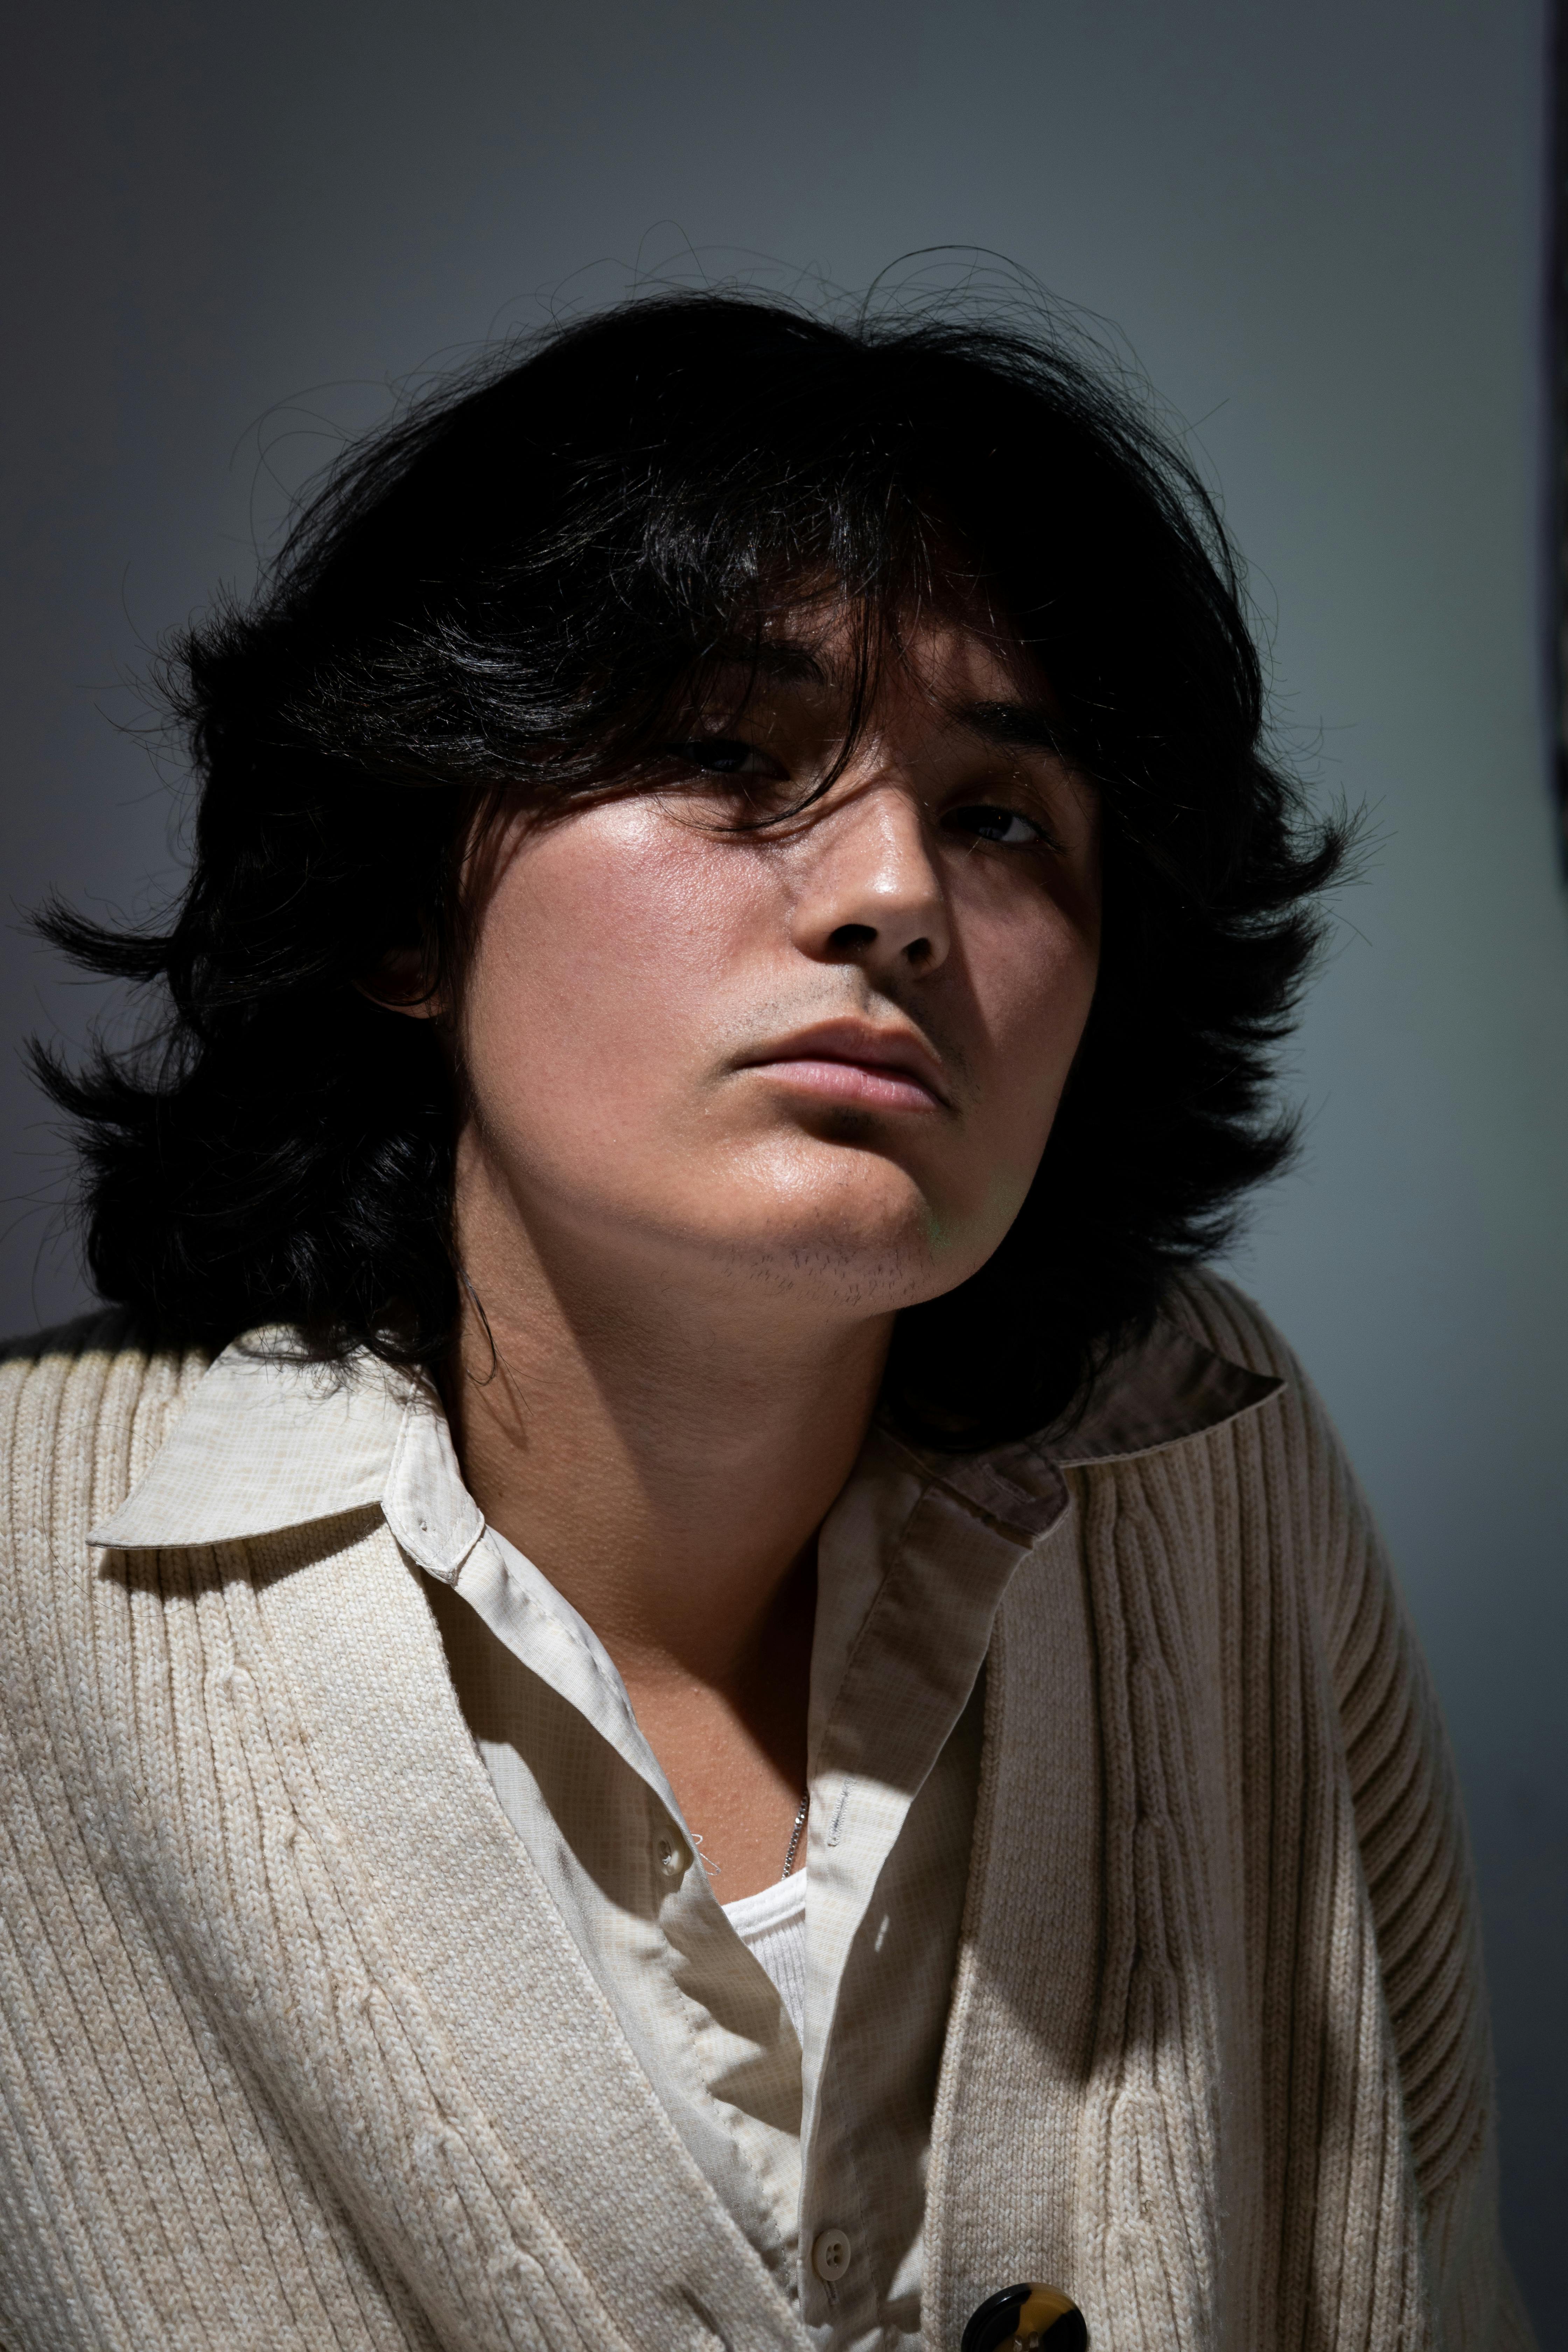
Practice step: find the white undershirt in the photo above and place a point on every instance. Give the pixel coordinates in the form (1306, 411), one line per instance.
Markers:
(771, 1925)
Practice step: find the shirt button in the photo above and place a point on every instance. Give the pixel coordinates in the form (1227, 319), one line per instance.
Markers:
(830, 2254)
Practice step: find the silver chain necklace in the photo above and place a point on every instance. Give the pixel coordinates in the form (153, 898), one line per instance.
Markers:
(794, 1835)
(711, 1867)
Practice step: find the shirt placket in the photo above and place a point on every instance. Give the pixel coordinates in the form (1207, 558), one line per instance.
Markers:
(721, 2037)
(908, 1677)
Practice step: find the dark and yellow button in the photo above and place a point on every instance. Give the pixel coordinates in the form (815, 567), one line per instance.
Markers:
(1026, 2316)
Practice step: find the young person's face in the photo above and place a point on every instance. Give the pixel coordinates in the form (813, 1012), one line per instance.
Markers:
(817, 1062)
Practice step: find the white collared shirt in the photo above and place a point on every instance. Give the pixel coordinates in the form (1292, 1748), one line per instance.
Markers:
(811, 2141)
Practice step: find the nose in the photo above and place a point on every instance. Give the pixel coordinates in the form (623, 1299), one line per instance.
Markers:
(873, 895)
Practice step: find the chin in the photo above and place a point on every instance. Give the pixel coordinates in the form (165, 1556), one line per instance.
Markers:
(875, 1263)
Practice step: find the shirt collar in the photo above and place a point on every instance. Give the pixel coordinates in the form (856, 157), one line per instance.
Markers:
(1164, 1389)
(269, 1442)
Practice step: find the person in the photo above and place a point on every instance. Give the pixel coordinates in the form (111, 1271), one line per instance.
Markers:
(676, 1676)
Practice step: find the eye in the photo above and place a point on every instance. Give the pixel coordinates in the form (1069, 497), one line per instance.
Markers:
(1007, 828)
(724, 755)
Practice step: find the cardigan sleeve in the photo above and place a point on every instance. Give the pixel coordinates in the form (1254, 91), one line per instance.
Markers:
(1415, 1853)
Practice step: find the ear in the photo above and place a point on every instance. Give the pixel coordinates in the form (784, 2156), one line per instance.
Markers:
(400, 983)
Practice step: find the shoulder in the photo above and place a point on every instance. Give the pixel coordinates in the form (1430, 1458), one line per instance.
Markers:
(83, 1409)
(1293, 1426)
(1271, 1484)
(1218, 1315)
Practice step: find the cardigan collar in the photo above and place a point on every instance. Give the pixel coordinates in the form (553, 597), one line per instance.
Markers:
(269, 1442)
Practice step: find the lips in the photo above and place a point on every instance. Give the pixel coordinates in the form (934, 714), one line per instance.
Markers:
(856, 1062)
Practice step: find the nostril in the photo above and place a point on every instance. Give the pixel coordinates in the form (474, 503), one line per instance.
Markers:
(850, 936)
(919, 951)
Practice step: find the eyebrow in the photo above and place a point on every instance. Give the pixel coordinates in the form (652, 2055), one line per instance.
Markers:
(783, 664)
(1027, 723)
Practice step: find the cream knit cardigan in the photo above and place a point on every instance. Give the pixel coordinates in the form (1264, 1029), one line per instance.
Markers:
(294, 2053)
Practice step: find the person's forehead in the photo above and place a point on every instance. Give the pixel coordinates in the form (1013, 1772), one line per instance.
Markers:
(814, 648)
(965, 675)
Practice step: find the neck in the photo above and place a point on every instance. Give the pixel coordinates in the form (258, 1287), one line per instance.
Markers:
(663, 1451)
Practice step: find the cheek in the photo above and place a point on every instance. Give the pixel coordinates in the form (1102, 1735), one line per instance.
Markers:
(596, 958)
(1031, 982)
(1035, 986)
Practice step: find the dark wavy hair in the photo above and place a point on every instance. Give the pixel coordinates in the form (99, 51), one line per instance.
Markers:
(508, 591)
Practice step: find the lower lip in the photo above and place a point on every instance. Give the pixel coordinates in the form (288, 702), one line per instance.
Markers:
(861, 1082)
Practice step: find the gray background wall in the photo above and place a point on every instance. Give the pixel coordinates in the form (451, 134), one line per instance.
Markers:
(1321, 230)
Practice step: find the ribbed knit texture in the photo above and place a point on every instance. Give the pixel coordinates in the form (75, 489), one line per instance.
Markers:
(159, 2128)
(1217, 2061)
(1273, 2101)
